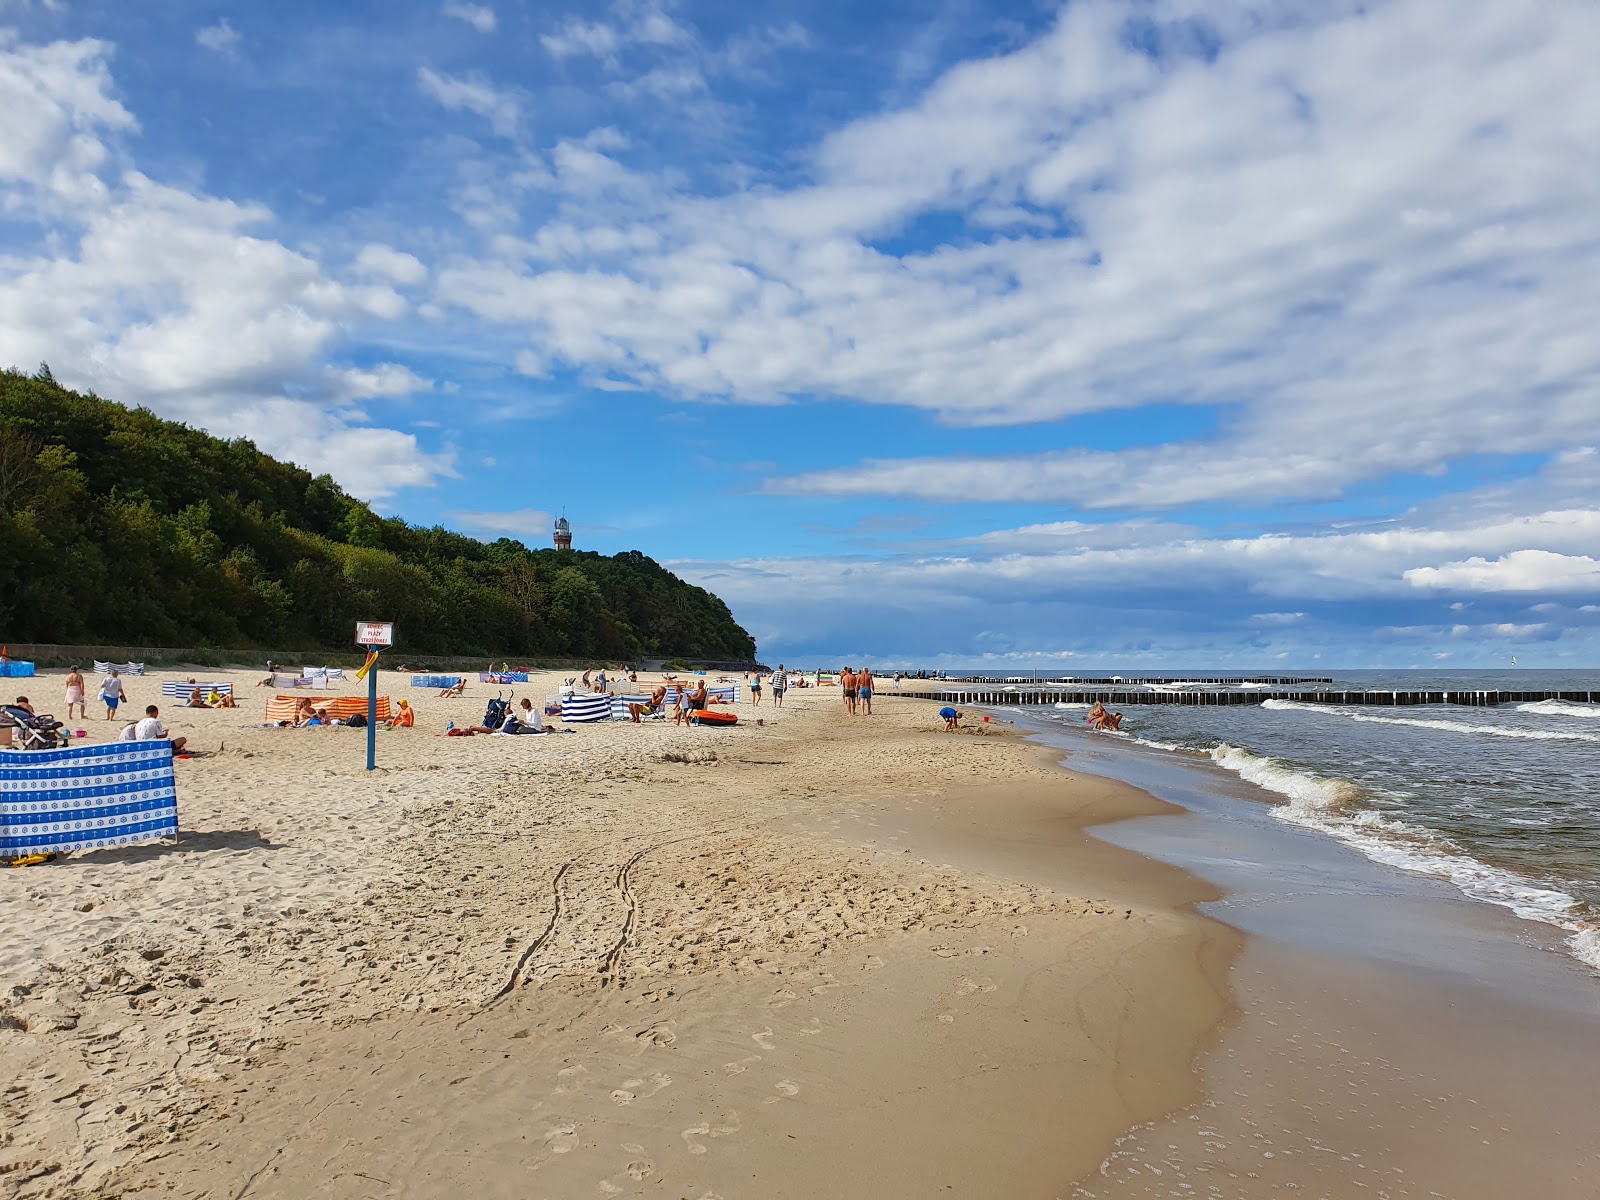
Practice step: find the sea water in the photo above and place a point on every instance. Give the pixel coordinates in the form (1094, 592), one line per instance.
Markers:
(1502, 802)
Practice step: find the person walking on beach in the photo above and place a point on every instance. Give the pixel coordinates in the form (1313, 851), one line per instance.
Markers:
(755, 689)
(111, 694)
(780, 684)
(75, 694)
(847, 684)
(864, 686)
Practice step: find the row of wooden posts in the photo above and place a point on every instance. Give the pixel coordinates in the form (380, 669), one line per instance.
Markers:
(1474, 698)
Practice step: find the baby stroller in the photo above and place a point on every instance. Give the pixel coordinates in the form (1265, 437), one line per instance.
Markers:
(31, 731)
(494, 716)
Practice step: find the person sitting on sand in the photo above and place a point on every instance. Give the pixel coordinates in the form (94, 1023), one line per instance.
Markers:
(196, 700)
(525, 719)
(24, 703)
(218, 699)
(651, 707)
(952, 718)
(305, 713)
(150, 729)
(458, 688)
(405, 718)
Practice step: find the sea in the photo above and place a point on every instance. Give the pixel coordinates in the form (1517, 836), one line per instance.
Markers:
(1503, 803)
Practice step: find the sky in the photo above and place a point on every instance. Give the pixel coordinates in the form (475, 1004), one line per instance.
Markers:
(1022, 336)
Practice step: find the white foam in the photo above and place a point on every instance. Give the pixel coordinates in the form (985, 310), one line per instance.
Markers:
(1531, 735)
(1073, 704)
(1562, 708)
(1333, 806)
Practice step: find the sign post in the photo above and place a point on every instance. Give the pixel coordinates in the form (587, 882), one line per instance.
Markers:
(374, 635)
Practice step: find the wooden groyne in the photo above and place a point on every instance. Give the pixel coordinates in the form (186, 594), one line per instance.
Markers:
(1472, 698)
(1122, 680)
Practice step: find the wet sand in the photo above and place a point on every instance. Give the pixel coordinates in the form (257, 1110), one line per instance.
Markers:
(810, 957)
(1393, 1039)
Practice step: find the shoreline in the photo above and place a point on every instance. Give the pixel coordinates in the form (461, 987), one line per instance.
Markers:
(1393, 1034)
(799, 925)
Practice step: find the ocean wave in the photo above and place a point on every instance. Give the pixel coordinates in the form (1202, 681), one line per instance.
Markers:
(1337, 807)
(1531, 735)
(1562, 708)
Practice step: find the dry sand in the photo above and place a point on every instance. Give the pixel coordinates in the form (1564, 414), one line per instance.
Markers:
(814, 957)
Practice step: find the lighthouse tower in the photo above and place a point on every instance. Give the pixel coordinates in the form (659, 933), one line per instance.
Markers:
(563, 534)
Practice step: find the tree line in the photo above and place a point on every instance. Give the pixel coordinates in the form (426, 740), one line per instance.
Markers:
(119, 527)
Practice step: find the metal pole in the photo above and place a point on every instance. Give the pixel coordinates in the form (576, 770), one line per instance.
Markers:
(372, 715)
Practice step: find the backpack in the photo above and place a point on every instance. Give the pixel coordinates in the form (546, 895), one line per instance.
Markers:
(357, 721)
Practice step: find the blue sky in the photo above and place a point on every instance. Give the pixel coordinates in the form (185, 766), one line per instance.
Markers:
(1113, 333)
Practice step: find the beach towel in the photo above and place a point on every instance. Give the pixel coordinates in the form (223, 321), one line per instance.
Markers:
(585, 707)
(181, 690)
(86, 798)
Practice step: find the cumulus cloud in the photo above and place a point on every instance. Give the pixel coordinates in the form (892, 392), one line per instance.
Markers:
(1357, 283)
(371, 383)
(176, 299)
(480, 16)
(474, 94)
(378, 261)
(1519, 571)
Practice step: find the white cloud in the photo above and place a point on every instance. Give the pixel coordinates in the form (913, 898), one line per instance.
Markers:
(527, 524)
(1518, 571)
(1359, 283)
(576, 37)
(371, 383)
(175, 299)
(498, 106)
(221, 37)
(378, 261)
(479, 16)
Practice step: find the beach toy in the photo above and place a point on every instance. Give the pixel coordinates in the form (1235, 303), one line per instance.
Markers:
(83, 733)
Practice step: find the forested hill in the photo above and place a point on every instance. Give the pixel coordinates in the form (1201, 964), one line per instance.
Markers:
(119, 528)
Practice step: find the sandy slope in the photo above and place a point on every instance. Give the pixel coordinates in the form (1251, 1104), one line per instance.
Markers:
(563, 962)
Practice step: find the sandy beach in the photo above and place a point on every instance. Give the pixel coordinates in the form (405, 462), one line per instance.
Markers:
(814, 956)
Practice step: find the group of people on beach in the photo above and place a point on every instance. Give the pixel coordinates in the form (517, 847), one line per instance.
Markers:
(857, 688)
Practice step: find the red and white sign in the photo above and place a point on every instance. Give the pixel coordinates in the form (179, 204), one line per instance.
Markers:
(374, 633)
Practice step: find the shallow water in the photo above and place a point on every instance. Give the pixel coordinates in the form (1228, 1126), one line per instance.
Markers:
(1502, 802)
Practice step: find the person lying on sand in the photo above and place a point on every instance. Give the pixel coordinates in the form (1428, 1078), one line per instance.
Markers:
(651, 707)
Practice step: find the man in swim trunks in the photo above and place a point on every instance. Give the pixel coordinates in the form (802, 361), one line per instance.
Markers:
(780, 684)
(864, 685)
(111, 694)
(847, 684)
(75, 695)
(651, 707)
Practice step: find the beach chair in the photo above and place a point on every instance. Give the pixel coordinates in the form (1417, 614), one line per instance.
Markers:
(32, 731)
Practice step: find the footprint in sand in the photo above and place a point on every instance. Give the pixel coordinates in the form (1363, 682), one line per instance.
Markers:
(740, 1066)
(658, 1035)
(638, 1169)
(872, 963)
(781, 999)
(622, 1096)
(787, 1089)
(947, 1018)
(694, 1132)
(764, 1039)
(568, 1076)
(816, 1028)
(559, 1139)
